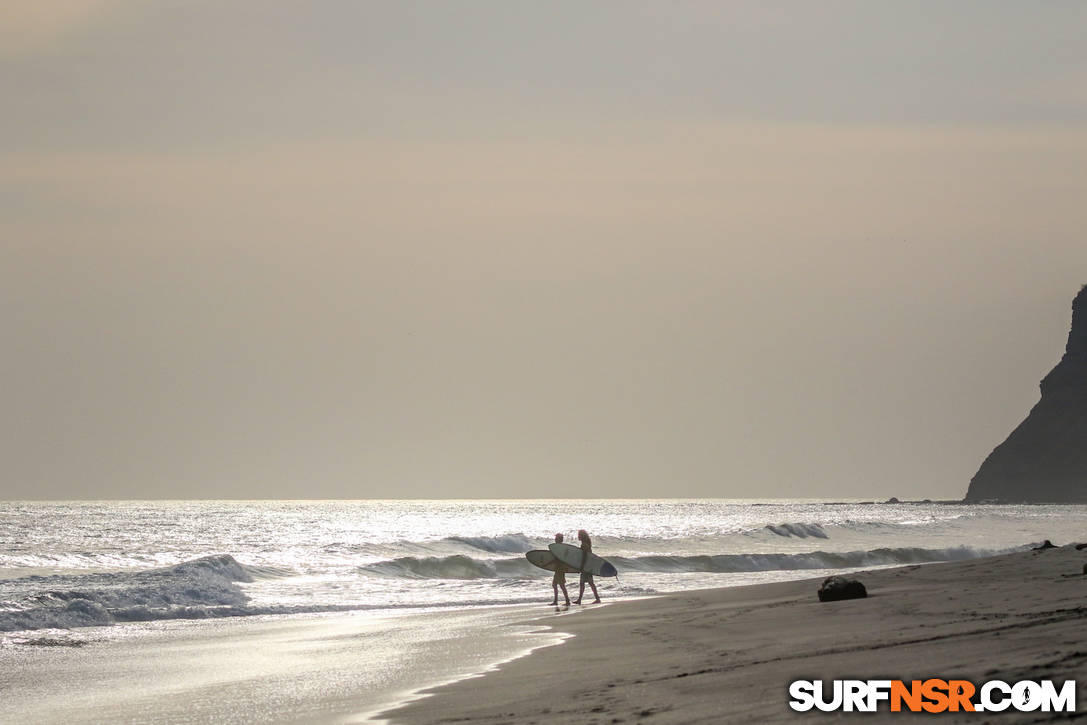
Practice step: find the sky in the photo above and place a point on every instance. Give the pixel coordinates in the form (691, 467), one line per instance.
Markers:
(509, 249)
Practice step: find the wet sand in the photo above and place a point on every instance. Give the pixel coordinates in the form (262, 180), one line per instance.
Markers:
(331, 668)
(728, 655)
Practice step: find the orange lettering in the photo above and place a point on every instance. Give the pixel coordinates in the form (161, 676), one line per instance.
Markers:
(911, 695)
(935, 691)
(959, 694)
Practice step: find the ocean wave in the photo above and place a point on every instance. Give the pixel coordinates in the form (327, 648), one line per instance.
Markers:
(885, 526)
(800, 530)
(259, 572)
(505, 543)
(831, 529)
(731, 563)
(723, 539)
(214, 586)
(466, 567)
(195, 589)
(107, 561)
(78, 560)
(457, 566)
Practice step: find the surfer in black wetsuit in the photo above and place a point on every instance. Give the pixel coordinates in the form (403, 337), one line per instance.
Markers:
(586, 577)
(559, 580)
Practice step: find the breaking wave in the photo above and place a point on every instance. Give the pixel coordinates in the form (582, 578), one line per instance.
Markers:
(506, 543)
(799, 530)
(196, 589)
(465, 567)
(828, 530)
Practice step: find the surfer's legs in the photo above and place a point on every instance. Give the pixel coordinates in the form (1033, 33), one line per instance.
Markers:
(592, 583)
(587, 578)
(559, 582)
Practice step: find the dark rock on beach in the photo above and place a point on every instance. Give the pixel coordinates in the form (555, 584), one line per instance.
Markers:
(1044, 460)
(838, 588)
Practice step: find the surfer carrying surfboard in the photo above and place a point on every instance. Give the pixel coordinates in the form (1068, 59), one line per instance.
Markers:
(559, 580)
(586, 577)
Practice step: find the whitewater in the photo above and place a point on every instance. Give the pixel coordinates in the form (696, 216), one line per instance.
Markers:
(400, 594)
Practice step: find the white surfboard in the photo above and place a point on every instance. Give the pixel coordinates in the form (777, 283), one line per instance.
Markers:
(571, 556)
(546, 560)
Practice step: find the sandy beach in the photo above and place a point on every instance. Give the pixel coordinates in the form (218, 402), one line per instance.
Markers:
(728, 655)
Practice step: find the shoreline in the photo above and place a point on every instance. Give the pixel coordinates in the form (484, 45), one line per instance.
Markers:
(729, 654)
(325, 668)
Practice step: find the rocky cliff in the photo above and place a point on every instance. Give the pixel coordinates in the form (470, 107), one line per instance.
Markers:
(1044, 460)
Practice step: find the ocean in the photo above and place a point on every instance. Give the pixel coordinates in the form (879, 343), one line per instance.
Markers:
(403, 585)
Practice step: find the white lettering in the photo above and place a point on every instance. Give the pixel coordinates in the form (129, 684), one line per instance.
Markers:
(1026, 696)
(986, 696)
(854, 696)
(878, 690)
(992, 696)
(802, 692)
(1063, 701)
(835, 701)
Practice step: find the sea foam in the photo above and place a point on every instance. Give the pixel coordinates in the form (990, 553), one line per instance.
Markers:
(199, 588)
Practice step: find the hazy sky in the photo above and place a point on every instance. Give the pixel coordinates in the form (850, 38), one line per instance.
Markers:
(456, 249)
